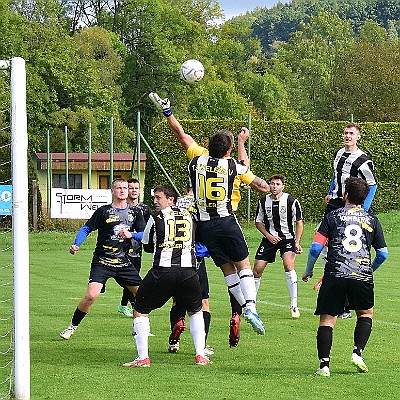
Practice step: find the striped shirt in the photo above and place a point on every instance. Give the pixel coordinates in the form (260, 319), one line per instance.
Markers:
(195, 150)
(355, 164)
(279, 215)
(213, 182)
(171, 232)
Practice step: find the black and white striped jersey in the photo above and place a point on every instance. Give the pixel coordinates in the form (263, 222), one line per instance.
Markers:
(212, 181)
(355, 164)
(186, 201)
(279, 215)
(171, 232)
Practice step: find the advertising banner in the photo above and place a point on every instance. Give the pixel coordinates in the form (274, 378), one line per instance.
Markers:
(77, 203)
(5, 199)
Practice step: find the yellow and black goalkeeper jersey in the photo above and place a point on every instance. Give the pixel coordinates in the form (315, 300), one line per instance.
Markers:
(195, 150)
(213, 182)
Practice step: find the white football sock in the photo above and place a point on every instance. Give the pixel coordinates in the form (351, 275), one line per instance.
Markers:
(248, 288)
(291, 278)
(141, 330)
(234, 286)
(196, 322)
(257, 282)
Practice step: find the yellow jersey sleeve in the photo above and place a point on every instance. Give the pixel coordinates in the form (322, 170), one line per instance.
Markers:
(195, 150)
(235, 198)
(247, 178)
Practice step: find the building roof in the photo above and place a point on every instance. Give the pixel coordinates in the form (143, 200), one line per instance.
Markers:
(100, 161)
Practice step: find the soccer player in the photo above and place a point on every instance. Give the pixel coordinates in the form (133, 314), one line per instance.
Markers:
(170, 234)
(212, 177)
(350, 231)
(135, 252)
(350, 161)
(192, 150)
(115, 223)
(177, 312)
(276, 215)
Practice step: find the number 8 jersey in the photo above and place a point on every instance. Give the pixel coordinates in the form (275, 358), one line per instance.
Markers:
(212, 181)
(351, 231)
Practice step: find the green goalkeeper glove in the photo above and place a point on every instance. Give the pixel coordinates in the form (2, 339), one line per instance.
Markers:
(162, 104)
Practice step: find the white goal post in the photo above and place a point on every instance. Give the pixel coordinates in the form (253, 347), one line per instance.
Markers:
(20, 228)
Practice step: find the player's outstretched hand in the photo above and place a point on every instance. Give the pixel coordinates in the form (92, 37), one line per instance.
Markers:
(305, 277)
(162, 104)
(243, 135)
(73, 249)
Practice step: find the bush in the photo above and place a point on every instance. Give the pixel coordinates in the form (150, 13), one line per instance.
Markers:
(301, 150)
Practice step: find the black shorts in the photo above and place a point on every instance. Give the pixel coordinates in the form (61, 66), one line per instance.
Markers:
(203, 278)
(224, 239)
(333, 292)
(161, 283)
(267, 250)
(136, 262)
(124, 276)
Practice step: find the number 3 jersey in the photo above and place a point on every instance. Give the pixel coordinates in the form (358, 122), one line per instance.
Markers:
(351, 231)
(213, 181)
(171, 232)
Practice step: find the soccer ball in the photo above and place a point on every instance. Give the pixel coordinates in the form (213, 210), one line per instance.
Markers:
(192, 71)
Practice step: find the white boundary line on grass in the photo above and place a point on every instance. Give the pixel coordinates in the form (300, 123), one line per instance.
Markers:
(269, 303)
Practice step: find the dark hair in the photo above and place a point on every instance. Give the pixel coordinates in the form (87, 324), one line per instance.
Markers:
(188, 187)
(357, 190)
(353, 126)
(133, 180)
(169, 191)
(276, 177)
(220, 143)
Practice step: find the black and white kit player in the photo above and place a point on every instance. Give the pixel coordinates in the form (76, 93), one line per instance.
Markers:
(169, 234)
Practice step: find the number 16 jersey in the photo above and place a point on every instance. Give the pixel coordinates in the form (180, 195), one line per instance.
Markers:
(212, 181)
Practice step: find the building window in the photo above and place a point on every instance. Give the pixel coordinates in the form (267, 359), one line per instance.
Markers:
(74, 180)
(104, 181)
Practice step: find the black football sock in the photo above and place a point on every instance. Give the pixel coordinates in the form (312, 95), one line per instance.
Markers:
(207, 320)
(236, 307)
(362, 331)
(175, 314)
(78, 317)
(125, 297)
(324, 345)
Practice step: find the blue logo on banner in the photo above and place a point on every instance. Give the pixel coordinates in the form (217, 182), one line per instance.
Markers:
(5, 199)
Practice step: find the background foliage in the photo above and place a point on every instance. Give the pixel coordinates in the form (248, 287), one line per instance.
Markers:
(306, 60)
(303, 151)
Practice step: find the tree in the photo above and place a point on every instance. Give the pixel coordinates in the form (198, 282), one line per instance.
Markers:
(307, 64)
(367, 86)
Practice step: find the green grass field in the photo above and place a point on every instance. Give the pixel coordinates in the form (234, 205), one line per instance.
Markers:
(279, 365)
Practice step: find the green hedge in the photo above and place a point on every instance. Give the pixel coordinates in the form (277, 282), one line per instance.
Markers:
(302, 151)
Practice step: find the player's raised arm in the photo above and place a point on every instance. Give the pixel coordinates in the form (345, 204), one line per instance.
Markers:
(259, 184)
(242, 153)
(164, 105)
